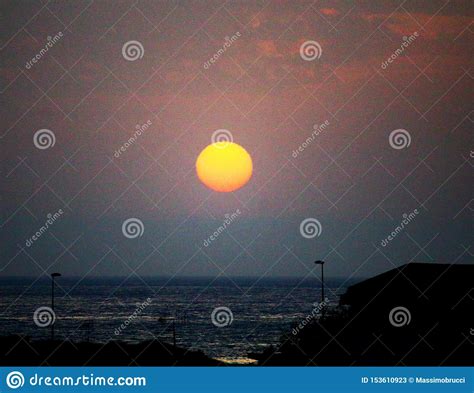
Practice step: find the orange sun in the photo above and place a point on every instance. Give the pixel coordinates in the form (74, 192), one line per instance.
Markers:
(224, 166)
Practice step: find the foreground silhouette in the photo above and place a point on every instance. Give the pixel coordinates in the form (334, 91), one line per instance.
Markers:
(414, 315)
(19, 351)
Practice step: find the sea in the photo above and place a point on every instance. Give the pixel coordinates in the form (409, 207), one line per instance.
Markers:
(226, 318)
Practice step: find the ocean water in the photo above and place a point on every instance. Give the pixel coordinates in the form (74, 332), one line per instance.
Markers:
(107, 309)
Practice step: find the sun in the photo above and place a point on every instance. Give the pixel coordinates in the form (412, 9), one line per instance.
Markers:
(224, 166)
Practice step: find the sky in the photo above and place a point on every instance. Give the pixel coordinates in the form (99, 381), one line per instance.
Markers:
(397, 137)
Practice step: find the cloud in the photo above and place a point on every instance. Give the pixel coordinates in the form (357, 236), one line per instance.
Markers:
(429, 26)
(329, 11)
(268, 48)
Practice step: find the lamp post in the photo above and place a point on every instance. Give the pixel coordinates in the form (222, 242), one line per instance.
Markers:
(322, 278)
(53, 276)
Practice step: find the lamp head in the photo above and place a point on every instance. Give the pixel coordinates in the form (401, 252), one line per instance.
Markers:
(55, 275)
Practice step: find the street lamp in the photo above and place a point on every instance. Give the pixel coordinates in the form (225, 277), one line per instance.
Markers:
(53, 276)
(322, 278)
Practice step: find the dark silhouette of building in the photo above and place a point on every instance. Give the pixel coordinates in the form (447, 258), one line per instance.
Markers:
(419, 314)
(430, 292)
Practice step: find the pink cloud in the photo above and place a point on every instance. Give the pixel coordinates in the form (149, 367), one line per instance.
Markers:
(329, 11)
(269, 48)
(429, 26)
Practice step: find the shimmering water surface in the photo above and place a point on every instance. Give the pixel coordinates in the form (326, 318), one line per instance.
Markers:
(95, 309)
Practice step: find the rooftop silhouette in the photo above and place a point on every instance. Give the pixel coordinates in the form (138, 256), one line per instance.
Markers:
(418, 314)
